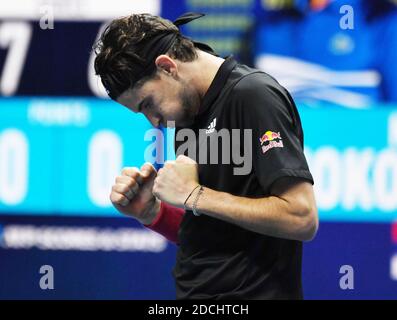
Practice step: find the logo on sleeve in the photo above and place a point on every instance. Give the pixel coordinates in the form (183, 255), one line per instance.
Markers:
(270, 140)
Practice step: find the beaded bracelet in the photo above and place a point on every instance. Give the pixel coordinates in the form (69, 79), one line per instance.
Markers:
(184, 204)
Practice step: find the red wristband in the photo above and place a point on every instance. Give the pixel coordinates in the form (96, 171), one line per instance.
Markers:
(167, 222)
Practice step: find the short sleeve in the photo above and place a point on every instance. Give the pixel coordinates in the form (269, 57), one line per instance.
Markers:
(266, 108)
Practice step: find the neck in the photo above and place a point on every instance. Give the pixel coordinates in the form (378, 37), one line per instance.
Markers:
(202, 71)
(207, 65)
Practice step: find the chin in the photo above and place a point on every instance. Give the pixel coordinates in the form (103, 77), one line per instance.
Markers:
(180, 123)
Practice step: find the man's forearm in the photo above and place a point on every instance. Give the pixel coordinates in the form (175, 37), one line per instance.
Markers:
(271, 215)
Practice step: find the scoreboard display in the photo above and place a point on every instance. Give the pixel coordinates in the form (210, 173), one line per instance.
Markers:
(46, 47)
(62, 155)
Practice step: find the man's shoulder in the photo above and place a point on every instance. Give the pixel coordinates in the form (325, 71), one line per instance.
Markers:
(250, 84)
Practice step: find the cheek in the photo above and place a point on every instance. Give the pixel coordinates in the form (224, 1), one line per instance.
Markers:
(172, 105)
(174, 102)
(173, 111)
(163, 92)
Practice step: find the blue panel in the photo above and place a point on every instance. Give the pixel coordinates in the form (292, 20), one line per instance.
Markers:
(367, 248)
(104, 273)
(74, 149)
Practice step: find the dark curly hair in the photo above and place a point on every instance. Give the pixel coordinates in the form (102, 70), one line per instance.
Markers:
(120, 48)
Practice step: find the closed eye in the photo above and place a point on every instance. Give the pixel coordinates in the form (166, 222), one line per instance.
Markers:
(144, 104)
(147, 104)
(140, 105)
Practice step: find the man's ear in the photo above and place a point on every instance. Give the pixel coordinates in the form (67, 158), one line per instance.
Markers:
(166, 64)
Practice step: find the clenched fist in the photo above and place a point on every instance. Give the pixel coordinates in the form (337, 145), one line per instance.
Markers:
(176, 180)
(132, 194)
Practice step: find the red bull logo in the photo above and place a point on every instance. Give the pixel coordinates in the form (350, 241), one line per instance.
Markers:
(269, 136)
(273, 140)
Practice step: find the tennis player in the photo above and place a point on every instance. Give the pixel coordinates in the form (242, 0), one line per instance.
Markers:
(239, 234)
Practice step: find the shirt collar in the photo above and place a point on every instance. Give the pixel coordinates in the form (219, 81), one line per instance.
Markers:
(217, 84)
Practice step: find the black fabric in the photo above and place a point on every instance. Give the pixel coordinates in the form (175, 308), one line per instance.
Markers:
(219, 260)
(187, 17)
(161, 43)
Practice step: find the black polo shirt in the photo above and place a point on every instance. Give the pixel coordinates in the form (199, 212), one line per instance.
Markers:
(220, 260)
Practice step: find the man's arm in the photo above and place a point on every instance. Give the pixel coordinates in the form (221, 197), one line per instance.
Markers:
(289, 212)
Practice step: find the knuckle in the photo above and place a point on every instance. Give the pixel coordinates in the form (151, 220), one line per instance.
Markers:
(131, 183)
(169, 164)
(147, 166)
(129, 171)
(124, 188)
(115, 198)
(119, 198)
(182, 158)
(123, 200)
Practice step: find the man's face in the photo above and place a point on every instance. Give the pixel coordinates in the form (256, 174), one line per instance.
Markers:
(163, 98)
